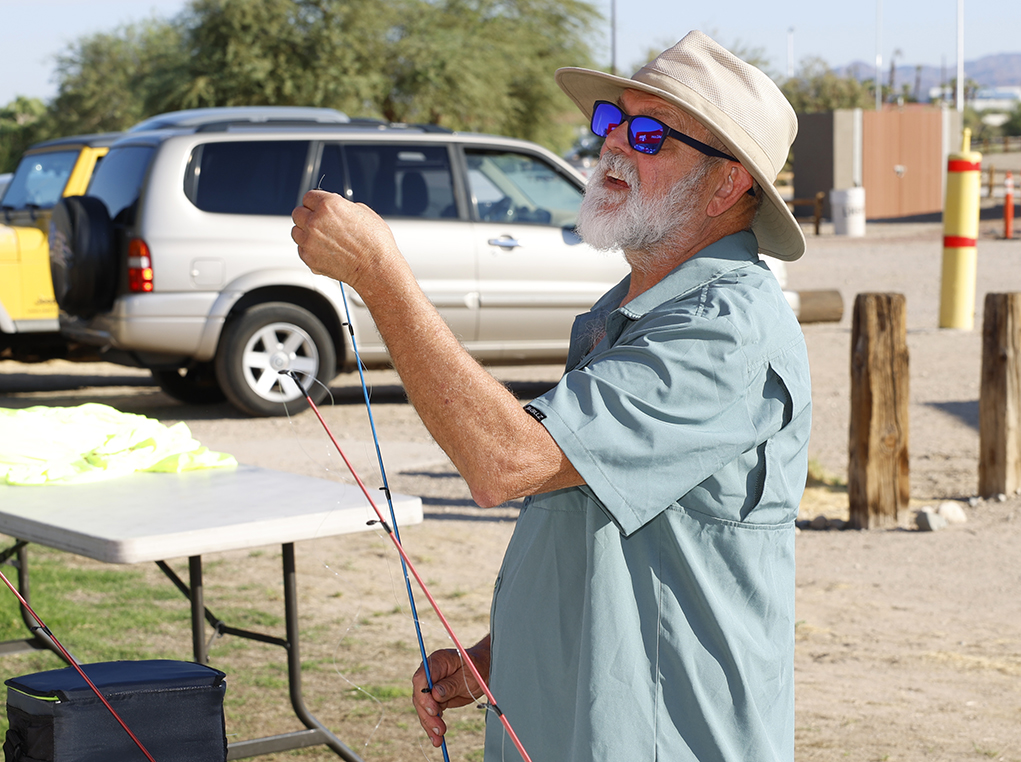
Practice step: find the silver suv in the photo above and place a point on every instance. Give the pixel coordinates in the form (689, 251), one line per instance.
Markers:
(179, 257)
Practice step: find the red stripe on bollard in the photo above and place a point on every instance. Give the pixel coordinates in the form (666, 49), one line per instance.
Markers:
(959, 165)
(958, 242)
(1008, 206)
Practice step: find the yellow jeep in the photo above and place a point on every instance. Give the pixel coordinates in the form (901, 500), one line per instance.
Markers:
(47, 172)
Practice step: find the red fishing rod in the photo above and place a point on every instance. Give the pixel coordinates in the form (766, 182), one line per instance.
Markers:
(411, 567)
(71, 660)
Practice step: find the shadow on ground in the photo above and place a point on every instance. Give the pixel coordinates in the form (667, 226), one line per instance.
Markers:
(966, 411)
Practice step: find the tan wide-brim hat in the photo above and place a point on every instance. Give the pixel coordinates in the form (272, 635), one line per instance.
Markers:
(735, 101)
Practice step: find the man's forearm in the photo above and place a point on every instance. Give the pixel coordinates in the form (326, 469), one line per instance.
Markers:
(500, 450)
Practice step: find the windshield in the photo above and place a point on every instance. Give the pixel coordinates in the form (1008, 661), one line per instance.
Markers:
(39, 180)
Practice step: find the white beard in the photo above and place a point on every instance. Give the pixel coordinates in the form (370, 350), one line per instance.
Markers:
(649, 230)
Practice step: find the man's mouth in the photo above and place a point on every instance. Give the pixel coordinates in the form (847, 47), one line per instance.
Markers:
(616, 181)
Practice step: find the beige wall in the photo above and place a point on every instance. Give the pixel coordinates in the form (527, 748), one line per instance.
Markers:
(902, 162)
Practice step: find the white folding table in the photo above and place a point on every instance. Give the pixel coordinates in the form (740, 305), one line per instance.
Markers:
(153, 517)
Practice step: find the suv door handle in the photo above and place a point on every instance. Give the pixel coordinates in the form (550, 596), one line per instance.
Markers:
(505, 242)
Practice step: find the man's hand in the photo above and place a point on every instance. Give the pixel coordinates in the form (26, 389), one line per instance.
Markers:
(342, 240)
(454, 685)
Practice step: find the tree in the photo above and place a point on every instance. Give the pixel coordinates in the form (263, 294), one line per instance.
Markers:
(487, 65)
(324, 53)
(818, 88)
(483, 65)
(109, 81)
(22, 123)
(1012, 126)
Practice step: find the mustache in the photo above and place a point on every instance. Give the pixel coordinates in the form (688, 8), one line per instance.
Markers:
(619, 165)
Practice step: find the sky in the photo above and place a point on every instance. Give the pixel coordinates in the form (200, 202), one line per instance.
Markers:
(923, 31)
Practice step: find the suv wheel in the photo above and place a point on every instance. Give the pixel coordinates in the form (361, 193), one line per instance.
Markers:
(265, 340)
(194, 385)
(83, 263)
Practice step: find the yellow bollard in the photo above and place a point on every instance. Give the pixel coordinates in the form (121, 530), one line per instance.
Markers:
(960, 237)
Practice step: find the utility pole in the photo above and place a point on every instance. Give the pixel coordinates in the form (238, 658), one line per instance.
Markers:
(790, 53)
(960, 56)
(879, 55)
(613, 37)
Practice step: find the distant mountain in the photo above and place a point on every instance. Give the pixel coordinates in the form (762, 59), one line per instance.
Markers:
(1000, 70)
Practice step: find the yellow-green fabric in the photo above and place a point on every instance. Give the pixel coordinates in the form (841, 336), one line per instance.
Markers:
(92, 442)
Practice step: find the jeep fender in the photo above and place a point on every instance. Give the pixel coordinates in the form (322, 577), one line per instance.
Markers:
(6, 324)
(8, 253)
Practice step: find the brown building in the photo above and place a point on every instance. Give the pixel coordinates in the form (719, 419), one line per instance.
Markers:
(899, 155)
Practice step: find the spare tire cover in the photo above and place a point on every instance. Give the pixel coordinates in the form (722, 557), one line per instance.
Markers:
(83, 262)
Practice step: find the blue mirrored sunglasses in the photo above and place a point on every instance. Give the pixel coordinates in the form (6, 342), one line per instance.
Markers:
(644, 133)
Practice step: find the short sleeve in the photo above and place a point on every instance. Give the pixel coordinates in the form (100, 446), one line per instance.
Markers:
(675, 399)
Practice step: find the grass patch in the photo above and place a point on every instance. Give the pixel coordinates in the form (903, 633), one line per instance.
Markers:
(382, 692)
(83, 607)
(820, 477)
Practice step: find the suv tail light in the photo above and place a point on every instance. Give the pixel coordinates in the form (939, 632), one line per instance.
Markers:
(139, 266)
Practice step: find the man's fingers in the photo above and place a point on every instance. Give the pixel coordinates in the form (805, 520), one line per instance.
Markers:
(314, 198)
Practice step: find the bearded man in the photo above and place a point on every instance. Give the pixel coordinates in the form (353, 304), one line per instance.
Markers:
(645, 607)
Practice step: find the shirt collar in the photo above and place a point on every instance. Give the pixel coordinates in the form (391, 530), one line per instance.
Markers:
(729, 253)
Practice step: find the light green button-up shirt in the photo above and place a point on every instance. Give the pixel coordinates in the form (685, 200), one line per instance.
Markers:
(649, 615)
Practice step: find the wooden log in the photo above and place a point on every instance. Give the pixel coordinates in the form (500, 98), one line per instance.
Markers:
(878, 483)
(999, 404)
(820, 306)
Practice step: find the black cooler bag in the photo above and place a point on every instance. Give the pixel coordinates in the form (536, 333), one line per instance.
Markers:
(174, 708)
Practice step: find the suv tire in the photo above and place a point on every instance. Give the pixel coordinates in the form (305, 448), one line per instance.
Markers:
(194, 385)
(83, 263)
(265, 340)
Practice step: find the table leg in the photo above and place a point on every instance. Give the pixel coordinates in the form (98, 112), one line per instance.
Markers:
(198, 610)
(316, 733)
(294, 660)
(39, 640)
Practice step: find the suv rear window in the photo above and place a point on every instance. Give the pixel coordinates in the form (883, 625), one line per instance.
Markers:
(247, 177)
(39, 180)
(118, 181)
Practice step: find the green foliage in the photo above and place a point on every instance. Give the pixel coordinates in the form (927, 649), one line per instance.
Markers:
(817, 88)
(1012, 126)
(480, 65)
(82, 606)
(22, 123)
(979, 130)
(278, 52)
(109, 81)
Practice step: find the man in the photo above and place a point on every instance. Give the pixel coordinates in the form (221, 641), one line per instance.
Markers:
(645, 608)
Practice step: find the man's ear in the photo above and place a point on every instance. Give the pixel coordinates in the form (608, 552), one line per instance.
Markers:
(732, 187)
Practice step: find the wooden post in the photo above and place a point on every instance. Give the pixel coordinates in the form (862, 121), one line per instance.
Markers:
(820, 198)
(820, 306)
(878, 484)
(999, 404)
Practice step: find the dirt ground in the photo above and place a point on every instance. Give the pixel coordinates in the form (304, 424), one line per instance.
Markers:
(908, 642)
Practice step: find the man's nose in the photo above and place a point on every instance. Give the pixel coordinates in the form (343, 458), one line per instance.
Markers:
(617, 138)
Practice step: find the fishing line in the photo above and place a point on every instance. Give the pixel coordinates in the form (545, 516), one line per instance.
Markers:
(353, 617)
(394, 534)
(389, 498)
(467, 660)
